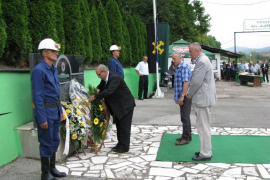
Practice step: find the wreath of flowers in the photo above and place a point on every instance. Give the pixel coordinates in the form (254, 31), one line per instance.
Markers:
(77, 125)
(98, 121)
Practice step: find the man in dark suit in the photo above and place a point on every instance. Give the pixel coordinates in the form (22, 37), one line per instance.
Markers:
(120, 102)
(264, 68)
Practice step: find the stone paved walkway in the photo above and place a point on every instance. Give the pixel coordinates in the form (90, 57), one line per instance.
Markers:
(139, 162)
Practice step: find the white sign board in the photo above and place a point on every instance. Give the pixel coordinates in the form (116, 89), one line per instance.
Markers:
(257, 24)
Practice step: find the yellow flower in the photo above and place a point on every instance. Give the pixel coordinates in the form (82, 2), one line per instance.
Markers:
(74, 136)
(100, 107)
(101, 124)
(78, 113)
(81, 124)
(103, 133)
(65, 116)
(96, 121)
(67, 111)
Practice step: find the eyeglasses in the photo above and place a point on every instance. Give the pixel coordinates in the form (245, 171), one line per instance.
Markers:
(99, 73)
(53, 51)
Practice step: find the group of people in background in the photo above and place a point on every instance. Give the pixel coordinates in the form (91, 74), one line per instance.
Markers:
(229, 70)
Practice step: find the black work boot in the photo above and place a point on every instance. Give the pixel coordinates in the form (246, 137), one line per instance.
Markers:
(53, 169)
(45, 169)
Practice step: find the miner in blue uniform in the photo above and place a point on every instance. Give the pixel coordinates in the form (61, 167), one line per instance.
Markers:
(114, 64)
(47, 107)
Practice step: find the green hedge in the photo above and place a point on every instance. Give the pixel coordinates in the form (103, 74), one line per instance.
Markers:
(24, 23)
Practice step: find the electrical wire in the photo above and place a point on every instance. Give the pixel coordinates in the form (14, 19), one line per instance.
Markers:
(230, 40)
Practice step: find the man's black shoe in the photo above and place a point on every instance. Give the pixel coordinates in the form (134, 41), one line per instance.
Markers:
(120, 151)
(199, 158)
(114, 148)
(146, 98)
(140, 98)
(197, 153)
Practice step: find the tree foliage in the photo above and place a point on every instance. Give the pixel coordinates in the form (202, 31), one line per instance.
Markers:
(144, 33)
(3, 34)
(119, 22)
(42, 21)
(94, 30)
(202, 19)
(126, 46)
(18, 43)
(85, 13)
(115, 23)
(105, 36)
(210, 41)
(74, 38)
(187, 20)
(137, 22)
(133, 39)
(59, 24)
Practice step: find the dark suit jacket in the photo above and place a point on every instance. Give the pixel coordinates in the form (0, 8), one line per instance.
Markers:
(266, 66)
(117, 95)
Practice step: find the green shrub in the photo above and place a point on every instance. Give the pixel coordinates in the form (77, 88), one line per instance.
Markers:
(18, 46)
(94, 30)
(126, 45)
(74, 38)
(105, 36)
(115, 25)
(42, 21)
(59, 25)
(133, 40)
(3, 34)
(85, 12)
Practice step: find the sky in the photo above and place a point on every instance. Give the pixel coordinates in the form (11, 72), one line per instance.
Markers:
(228, 16)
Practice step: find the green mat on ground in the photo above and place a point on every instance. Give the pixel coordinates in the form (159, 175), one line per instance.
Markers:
(225, 149)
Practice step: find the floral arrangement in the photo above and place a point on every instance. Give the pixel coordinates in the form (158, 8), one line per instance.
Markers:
(99, 116)
(77, 125)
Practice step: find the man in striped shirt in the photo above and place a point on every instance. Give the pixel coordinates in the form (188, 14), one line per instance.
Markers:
(181, 84)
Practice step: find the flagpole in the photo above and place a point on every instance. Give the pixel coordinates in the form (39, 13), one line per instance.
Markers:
(159, 93)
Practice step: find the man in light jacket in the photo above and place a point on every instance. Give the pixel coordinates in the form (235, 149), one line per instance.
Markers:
(202, 91)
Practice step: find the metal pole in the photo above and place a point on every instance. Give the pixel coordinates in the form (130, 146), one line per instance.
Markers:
(158, 93)
(234, 42)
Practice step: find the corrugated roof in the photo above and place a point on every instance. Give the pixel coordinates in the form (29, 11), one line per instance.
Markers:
(222, 52)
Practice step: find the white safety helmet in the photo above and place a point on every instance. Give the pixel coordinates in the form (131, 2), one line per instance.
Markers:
(114, 48)
(49, 44)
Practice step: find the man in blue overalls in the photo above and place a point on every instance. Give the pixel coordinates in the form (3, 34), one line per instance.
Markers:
(47, 107)
(114, 64)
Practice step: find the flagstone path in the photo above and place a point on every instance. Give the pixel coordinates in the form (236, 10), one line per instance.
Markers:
(139, 162)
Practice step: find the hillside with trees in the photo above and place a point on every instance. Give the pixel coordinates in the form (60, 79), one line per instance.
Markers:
(257, 54)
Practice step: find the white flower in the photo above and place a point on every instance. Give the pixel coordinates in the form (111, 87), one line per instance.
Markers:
(83, 131)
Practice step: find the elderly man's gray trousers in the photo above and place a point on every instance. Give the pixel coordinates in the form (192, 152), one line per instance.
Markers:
(203, 115)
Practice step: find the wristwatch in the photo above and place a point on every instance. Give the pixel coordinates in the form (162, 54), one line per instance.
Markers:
(182, 95)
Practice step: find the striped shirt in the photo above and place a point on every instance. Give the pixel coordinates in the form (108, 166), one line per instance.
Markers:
(182, 74)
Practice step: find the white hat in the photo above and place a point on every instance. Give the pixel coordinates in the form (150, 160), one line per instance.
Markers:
(49, 44)
(114, 48)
